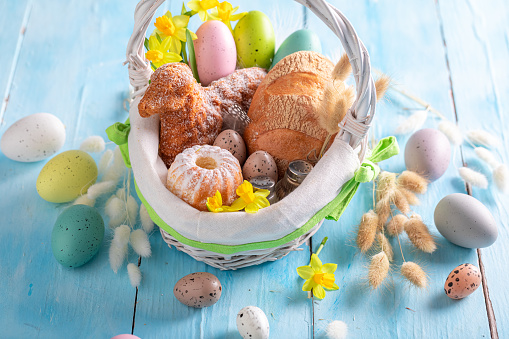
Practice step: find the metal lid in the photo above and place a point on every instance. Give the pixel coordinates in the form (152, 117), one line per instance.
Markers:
(298, 170)
(263, 182)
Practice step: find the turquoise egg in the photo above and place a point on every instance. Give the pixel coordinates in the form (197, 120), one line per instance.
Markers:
(301, 40)
(77, 235)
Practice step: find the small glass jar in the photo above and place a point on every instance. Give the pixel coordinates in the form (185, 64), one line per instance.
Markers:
(294, 176)
(266, 183)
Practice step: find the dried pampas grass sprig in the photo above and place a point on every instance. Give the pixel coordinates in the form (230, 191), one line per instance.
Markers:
(367, 231)
(413, 182)
(336, 330)
(483, 138)
(486, 156)
(412, 123)
(414, 274)
(419, 235)
(378, 269)
(397, 225)
(451, 131)
(501, 178)
(385, 245)
(134, 274)
(472, 177)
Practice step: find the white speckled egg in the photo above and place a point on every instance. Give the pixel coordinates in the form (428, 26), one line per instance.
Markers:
(33, 138)
(462, 281)
(260, 163)
(252, 323)
(465, 221)
(198, 290)
(232, 141)
(428, 153)
(216, 54)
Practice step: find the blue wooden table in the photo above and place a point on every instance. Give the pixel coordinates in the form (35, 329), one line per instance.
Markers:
(65, 57)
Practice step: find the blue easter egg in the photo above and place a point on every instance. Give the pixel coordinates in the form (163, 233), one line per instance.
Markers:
(301, 40)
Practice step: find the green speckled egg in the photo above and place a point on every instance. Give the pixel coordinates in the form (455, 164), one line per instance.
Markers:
(66, 176)
(77, 235)
(255, 40)
(301, 40)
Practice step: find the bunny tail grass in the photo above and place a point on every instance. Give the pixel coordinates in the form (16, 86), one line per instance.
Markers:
(93, 144)
(342, 69)
(410, 197)
(386, 185)
(414, 274)
(134, 274)
(412, 123)
(385, 245)
(501, 178)
(382, 85)
(378, 269)
(419, 235)
(397, 225)
(400, 202)
(100, 188)
(451, 131)
(140, 244)
(383, 210)
(472, 177)
(413, 182)
(146, 222)
(333, 106)
(118, 247)
(132, 209)
(483, 138)
(486, 156)
(337, 330)
(84, 200)
(367, 231)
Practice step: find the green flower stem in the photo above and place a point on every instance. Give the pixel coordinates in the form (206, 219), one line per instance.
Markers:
(320, 248)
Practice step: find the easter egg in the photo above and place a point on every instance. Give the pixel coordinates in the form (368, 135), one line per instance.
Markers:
(125, 336)
(66, 176)
(255, 40)
(301, 40)
(428, 153)
(462, 281)
(252, 323)
(198, 290)
(465, 221)
(77, 235)
(260, 163)
(215, 51)
(232, 141)
(33, 138)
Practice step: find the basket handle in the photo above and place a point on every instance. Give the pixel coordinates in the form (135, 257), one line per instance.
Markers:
(355, 125)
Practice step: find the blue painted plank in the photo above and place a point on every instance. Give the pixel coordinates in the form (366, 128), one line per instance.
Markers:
(478, 59)
(272, 286)
(404, 40)
(70, 64)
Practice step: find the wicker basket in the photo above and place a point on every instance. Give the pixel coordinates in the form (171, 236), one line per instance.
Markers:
(233, 253)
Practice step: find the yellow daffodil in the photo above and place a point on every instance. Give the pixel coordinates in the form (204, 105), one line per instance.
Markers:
(251, 200)
(224, 12)
(318, 277)
(215, 203)
(202, 6)
(174, 28)
(158, 52)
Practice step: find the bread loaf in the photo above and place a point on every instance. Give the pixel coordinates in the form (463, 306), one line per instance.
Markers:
(285, 119)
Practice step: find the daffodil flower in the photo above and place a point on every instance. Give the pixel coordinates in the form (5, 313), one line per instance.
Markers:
(251, 200)
(224, 12)
(215, 203)
(174, 28)
(158, 52)
(318, 276)
(202, 6)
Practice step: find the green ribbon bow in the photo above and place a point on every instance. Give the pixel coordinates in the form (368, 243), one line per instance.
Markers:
(385, 149)
(119, 133)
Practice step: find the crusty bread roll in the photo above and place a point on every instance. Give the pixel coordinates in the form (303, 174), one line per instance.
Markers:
(285, 121)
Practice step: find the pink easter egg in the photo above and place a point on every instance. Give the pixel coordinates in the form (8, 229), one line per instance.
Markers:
(215, 51)
(125, 336)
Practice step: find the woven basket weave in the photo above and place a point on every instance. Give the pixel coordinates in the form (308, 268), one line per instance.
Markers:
(353, 128)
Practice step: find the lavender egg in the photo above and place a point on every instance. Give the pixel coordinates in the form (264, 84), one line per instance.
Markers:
(231, 141)
(198, 290)
(428, 153)
(260, 163)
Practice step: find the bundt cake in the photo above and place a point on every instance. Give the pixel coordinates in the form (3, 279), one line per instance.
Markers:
(198, 172)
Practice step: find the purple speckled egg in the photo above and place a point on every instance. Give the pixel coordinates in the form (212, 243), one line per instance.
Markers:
(428, 153)
(260, 163)
(231, 141)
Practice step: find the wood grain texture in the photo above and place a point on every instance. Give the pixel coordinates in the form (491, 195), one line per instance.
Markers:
(69, 63)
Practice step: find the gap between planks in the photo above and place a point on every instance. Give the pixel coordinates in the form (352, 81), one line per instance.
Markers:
(492, 322)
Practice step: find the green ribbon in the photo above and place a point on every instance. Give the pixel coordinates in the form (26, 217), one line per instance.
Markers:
(385, 149)
(119, 134)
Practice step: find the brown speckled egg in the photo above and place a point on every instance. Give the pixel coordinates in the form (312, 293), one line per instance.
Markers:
(260, 163)
(200, 289)
(462, 281)
(232, 141)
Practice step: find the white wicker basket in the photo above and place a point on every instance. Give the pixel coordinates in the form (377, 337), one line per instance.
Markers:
(199, 233)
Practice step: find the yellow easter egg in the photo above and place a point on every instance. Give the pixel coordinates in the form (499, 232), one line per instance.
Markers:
(66, 176)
